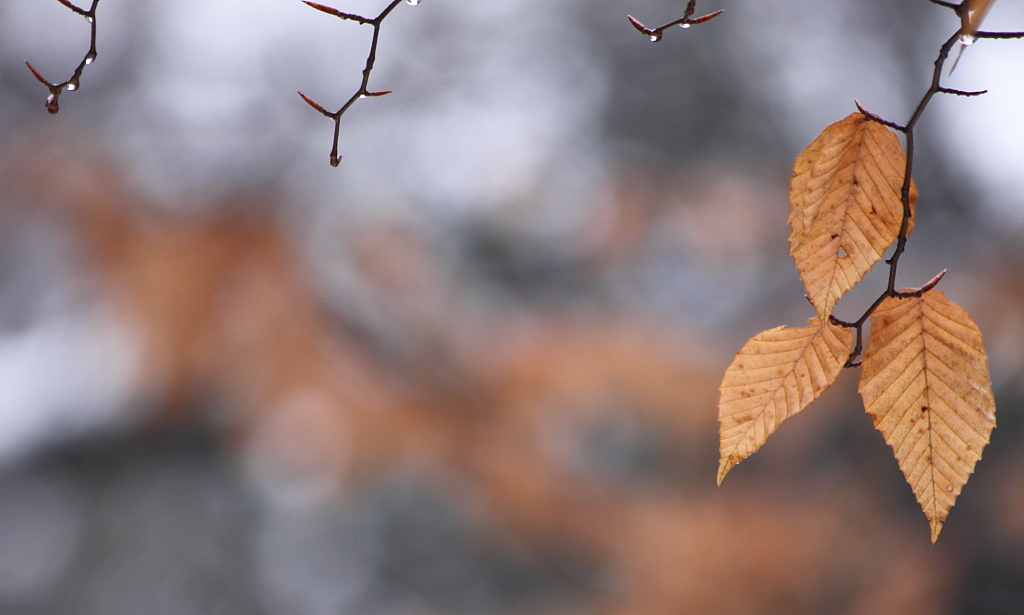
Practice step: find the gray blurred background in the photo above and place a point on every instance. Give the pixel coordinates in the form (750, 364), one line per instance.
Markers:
(473, 369)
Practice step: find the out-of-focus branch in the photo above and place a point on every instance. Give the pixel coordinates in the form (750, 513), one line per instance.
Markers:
(73, 83)
(363, 91)
(687, 20)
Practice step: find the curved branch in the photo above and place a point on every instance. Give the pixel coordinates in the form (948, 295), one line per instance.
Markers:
(73, 82)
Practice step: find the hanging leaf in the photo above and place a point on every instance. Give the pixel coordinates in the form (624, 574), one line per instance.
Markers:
(925, 384)
(774, 376)
(846, 206)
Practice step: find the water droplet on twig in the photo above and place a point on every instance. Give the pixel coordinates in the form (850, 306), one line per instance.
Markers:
(655, 37)
(684, 26)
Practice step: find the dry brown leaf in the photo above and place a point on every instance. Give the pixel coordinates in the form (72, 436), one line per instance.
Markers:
(846, 206)
(774, 376)
(926, 386)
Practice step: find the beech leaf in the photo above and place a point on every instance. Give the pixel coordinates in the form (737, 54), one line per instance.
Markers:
(774, 376)
(847, 207)
(925, 384)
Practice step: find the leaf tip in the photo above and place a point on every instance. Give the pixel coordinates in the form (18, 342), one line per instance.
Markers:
(725, 465)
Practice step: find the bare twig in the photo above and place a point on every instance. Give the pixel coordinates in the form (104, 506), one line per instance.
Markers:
(961, 92)
(936, 87)
(687, 20)
(999, 35)
(74, 82)
(363, 91)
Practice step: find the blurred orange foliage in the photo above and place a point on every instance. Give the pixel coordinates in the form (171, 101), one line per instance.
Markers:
(229, 312)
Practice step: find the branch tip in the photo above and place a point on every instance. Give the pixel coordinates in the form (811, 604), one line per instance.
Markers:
(36, 74)
(956, 92)
(636, 24)
(876, 118)
(323, 8)
(74, 8)
(933, 282)
(707, 17)
(1002, 35)
(314, 104)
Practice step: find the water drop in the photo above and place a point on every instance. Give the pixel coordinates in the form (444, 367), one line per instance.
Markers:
(842, 252)
(72, 86)
(967, 40)
(90, 18)
(413, 2)
(655, 37)
(89, 59)
(684, 26)
(52, 106)
(949, 488)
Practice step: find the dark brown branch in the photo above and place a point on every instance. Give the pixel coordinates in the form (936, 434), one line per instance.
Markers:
(879, 119)
(687, 20)
(961, 92)
(999, 35)
(74, 82)
(363, 91)
(936, 87)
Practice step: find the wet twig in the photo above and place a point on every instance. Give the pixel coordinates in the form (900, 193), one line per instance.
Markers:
(74, 82)
(685, 22)
(363, 91)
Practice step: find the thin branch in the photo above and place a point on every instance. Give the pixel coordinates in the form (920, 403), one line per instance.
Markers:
(936, 87)
(363, 91)
(687, 20)
(74, 82)
(879, 119)
(999, 35)
(962, 92)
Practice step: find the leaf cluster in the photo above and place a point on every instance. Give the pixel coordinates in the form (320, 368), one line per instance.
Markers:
(924, 380)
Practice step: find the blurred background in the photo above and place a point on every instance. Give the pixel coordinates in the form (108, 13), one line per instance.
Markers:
(474, 369)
